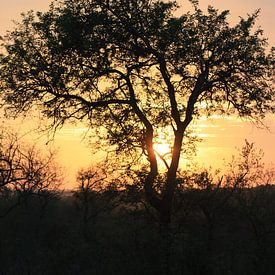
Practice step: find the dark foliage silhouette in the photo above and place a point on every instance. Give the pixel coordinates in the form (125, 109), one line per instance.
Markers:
(131, 69)
(220, 228)
(26, 172)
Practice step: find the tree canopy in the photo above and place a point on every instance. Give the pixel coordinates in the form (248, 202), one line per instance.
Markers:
(134, 69)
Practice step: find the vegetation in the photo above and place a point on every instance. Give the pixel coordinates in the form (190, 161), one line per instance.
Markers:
(135, 74)
(221, 225)
(133, 71)
(25, 172)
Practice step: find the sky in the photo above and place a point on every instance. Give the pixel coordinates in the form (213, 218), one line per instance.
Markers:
(220, 136)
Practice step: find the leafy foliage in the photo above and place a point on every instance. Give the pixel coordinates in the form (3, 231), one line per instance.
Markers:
(82, 59)
(131, 69)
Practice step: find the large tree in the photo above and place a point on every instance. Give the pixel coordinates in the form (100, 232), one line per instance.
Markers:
(132, 69)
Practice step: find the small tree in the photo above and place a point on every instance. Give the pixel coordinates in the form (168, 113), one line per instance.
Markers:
(25, 172)
(132, 70)
(254, 198)
(248, 170)
(93, 196)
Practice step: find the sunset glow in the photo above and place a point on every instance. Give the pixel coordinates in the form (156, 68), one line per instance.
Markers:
(220, 136)
(162, 147)
(137, 137)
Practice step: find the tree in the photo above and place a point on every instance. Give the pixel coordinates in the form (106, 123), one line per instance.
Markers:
(254, 198)
(94, 195)
(26, 172)
(248, 170)
(133, 71)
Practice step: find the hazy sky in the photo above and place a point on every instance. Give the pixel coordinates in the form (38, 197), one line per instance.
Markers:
(221, 136)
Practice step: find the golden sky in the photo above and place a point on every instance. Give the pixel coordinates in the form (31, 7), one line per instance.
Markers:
(221, 136)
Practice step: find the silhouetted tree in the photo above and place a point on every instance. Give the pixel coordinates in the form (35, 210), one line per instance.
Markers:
(93, 196)
(132, 70)
(247, 170)
(255, 197)
(26, 172)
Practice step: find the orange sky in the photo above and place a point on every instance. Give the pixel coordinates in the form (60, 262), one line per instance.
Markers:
(221, 136)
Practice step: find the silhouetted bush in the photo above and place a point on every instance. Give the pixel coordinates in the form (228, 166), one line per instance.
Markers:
(239, 239)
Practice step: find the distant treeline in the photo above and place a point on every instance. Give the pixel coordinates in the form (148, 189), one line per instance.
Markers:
(221, 223)
(214, 231)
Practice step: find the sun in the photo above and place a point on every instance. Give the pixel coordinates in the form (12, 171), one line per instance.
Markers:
(162, 147)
